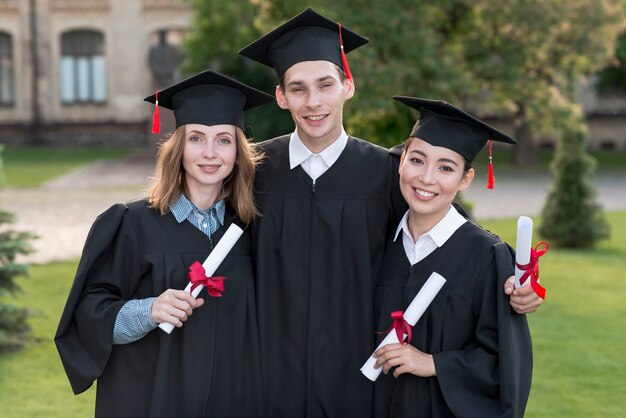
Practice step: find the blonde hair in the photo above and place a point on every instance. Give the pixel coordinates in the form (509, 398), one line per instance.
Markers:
(169, 181)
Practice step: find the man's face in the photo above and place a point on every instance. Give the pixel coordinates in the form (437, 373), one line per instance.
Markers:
(314, 94)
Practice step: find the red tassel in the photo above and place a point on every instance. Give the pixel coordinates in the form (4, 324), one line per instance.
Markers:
(344, 60)
(156, 117)
(490, 177)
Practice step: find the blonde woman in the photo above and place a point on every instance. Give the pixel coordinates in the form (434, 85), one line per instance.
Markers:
(136, 262)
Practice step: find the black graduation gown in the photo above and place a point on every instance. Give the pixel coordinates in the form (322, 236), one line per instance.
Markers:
(209, 367)
(481, 347)
(318, 252)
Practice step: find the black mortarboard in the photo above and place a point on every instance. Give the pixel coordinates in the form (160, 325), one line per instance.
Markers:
(208, 98)
(308, 36)
(444, 125)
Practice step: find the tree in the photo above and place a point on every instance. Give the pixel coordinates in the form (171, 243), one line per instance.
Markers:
(571, 217)
(530, 55)
(413, 50)
(514, 59)
(613, 77)
(14, 328)
(383, 68)
(220, 29)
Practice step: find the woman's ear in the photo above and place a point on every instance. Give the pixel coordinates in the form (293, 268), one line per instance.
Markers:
(467, 180)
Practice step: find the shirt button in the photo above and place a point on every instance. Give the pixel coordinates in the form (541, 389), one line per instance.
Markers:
(204, 225)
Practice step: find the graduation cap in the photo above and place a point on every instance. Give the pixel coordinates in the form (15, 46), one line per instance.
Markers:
(207, 98)
(444, 125)
(308, 36)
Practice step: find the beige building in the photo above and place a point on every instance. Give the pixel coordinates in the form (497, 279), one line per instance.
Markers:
(76, 71)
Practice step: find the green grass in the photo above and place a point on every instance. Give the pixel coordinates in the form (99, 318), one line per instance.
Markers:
(32, 382)
(30, 167)
(578, 336)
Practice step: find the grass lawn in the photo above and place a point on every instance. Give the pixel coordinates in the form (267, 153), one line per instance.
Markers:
(32, 382)
(31, 166)
(578, 337)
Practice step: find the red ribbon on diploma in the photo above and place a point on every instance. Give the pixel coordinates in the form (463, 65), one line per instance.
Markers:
(197, 276)
(532, 269)
(401, 326)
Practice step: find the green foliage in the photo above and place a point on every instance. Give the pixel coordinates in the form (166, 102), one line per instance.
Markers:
(32, 381)
(14, 328)
(527, 58)
(571, 216)
(517, 59)
(382, 126)
(13, 325)
(613, 77)
(220, 29)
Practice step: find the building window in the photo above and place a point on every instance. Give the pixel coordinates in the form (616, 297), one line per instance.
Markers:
(7, 94)
(83, 67)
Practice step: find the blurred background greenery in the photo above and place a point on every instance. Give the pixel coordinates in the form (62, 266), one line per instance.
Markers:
(522, 60)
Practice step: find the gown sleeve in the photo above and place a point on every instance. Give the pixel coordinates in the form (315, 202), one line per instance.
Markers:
(515, 344)
(490, 377)
(102, 285)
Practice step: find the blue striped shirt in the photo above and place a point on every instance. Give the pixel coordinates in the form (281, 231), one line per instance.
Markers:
(134, 320)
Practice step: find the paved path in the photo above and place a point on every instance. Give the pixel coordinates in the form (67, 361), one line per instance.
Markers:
(525, 195)
(62, 211)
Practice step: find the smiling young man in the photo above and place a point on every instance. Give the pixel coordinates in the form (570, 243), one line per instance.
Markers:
(327, 200)
(314, 92)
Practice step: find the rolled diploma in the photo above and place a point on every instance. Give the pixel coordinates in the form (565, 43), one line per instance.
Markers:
(212, 262)
(522, 247)
(413, 313)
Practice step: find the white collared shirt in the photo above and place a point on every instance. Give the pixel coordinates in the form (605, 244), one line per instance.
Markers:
(315, 164)
(431, 240)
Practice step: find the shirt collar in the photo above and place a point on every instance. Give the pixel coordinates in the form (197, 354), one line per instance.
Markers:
(182, 208)
(298, 152)
(439, 233)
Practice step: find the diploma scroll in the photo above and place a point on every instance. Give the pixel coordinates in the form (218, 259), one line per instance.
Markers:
(212, 262)
(412, 314)
(522, 247)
